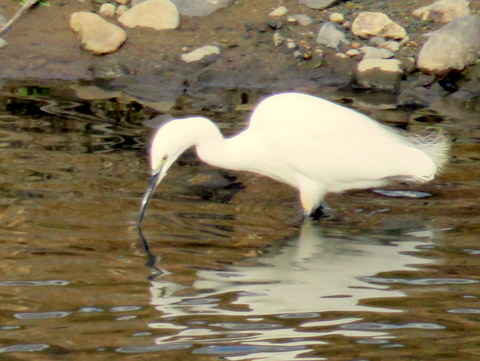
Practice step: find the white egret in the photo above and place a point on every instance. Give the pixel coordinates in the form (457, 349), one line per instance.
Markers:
(312, 144)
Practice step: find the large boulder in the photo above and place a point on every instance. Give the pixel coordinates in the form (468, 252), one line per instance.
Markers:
(155, 14)
(96, 34)
(377, 24)
(453, 47)
(330, 36)
(200, 7)
(318, 4)
(443, 11)
(379, 73)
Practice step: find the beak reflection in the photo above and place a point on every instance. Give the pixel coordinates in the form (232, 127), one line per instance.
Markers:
(152, 184)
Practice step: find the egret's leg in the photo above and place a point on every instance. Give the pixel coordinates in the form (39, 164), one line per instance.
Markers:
(318, 213)
(311, 195)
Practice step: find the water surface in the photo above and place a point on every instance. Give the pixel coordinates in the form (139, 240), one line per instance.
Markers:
(235, 274)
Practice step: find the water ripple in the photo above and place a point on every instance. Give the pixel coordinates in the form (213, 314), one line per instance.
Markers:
(34, 283)
(240, 349)
(421, 281)
(465, 310)
(153, 348)
(41, 315)
(25, 347)
(386, 326)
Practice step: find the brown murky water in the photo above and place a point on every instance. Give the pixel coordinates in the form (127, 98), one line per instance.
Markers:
(236, 276)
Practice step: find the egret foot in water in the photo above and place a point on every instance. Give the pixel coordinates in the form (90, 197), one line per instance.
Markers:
(310, 143)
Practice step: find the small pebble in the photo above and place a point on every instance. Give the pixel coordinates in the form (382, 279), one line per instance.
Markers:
(291, 44)
(107, 10)
(377, 41)
(278, 39)
(352, 52)
(123, 2)
(355, 44)
(3, 42)
(301, 19)
(391, 45)
(121, 9)
(337, 18)
(280, 11)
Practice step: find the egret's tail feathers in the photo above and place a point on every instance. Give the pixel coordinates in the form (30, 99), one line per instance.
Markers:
(435, 144)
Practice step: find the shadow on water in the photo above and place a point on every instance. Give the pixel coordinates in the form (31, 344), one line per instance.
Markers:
(295, 284)
(230, 271)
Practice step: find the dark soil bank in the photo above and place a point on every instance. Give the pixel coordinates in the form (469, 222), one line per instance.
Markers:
(41, 46)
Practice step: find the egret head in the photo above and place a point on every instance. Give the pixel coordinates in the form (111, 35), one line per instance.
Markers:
(168, 143)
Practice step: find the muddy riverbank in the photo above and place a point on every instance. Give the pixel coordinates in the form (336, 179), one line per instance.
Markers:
(41, 46)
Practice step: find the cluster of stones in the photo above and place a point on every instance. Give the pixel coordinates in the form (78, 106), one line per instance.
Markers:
(377, 39)
(100, 36)
(453, 47)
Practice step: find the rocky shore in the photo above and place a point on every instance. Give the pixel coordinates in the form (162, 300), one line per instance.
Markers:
(420, 50)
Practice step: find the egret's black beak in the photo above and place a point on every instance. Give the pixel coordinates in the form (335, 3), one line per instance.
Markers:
(152, 184)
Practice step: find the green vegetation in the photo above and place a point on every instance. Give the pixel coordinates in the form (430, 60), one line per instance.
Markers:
(32, 91)
(39, 2)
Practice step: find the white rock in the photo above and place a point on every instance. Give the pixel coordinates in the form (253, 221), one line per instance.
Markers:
(443, 11)
(200, 7)
(200, 53)
(3, 43)
(302, 19)
(352, 52)
(107, 10)
(377, 24)
(156, 14)
(280, 11)
(291, 44)
(390, 65)
(96, 34)
(278, 39)
(454, 46)
(121, 9)
(376, 40)
(391, 45)
(330, 36)
(375, 53)
(337, 18)
(379, 73)
(123, 2)
(318, 4)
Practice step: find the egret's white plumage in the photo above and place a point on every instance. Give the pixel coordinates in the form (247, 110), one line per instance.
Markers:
(307, 142)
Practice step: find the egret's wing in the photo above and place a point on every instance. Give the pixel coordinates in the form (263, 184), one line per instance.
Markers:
(331, 143)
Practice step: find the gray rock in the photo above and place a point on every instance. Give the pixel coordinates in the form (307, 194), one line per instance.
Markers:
(107, 10)
(379, 73)
(375, 53)
(377, 41)
(302, 19)
(108, 70)
(418, 97)
(318, 4)
(201, 53)
(278, 12)
(342, 65)
(200, 7)
(3, 20)
(96, 34)
(3, 43)
(454, 46)
(377, 24)
(330, 36)
(391, 45)
(468, 91)
(443, 10)
(156, 14)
